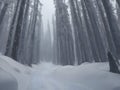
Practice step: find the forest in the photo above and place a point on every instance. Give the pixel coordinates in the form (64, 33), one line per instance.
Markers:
(78, 34)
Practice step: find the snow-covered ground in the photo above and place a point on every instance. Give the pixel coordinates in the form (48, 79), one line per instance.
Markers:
(20, 72)
(47, 76)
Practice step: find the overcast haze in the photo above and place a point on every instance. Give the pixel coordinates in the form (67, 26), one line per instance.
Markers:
(47, 11)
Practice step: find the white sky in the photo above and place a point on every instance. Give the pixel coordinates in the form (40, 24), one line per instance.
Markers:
(47, 11)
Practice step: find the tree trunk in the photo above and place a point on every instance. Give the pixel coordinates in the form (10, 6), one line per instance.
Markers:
(12, 30)
(112, 63)
(16, 43)
(2, 13)
(114, 27)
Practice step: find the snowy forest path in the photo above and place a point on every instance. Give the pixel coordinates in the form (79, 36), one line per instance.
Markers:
(44, 79)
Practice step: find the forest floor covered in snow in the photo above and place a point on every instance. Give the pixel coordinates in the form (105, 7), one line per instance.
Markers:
(46, 76)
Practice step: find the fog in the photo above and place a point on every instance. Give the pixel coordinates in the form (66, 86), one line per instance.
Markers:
(48, 11)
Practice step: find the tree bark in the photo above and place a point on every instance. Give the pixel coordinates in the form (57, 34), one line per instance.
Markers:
(2, 13)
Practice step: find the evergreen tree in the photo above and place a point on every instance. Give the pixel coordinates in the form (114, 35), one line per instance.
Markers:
(64, 34)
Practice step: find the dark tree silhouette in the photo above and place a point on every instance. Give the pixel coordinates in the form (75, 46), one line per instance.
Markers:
(112, 63)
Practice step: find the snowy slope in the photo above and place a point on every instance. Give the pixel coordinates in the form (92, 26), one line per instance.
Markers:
(47, 76)
(20, 72)
(85, 77)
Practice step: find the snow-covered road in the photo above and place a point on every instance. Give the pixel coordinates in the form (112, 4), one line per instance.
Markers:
(46, 76)
(43, 78)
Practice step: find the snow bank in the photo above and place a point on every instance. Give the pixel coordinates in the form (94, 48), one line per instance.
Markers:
(87, 76)
(47, 76)
(94, 76)
(19, 71)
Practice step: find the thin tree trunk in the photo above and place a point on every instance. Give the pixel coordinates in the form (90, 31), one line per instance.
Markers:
(2, 13)
(16, 43)
(12, 30)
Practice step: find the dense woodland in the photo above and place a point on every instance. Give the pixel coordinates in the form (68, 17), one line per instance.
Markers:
(84, 31)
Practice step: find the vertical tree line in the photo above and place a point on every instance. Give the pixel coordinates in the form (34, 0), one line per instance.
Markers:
(23, 38)
(64, 40)
(83, 31)
(96, 30)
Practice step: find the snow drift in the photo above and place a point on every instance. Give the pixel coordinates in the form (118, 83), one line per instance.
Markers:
(46, 76)
(18, 71)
